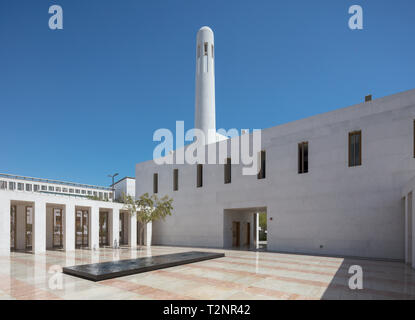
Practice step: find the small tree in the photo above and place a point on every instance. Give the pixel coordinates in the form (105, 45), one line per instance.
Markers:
(148, 209)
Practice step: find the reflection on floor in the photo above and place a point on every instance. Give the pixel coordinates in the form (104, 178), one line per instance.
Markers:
(239, 275)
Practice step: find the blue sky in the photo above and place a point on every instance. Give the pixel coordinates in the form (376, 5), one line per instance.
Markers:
(82, 102)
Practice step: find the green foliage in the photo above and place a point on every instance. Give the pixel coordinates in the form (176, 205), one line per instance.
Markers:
(89, 197)
(93, 198)
(263, 221)
(148, 208)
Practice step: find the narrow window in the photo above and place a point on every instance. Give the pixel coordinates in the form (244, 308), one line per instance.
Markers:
(228, 173)
(155, 183)
(414, 138)
(175, 179)
(355, 148)
(206, 49)
(213, 51)
(261, 173)
(198, 50)
(303, 157)
(199, 175)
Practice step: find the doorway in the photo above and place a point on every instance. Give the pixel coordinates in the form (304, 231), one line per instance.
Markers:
(13, 225)
(82, 228)
(103, 229)
(122, 228)
(262, 230)
(248, 234)
(57, 228)
(29, 228)
(236, 233)
(242, 228)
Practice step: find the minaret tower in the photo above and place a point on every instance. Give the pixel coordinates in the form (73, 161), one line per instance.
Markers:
(205, 117)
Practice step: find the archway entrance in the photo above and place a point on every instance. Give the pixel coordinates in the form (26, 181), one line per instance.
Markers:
(103, 229)
(29, 227)
(21, 226)
(82, 228)
(124, 228)
(13, 226)
(57, 228)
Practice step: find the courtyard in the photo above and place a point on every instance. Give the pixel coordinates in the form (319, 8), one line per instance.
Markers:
(239, 275)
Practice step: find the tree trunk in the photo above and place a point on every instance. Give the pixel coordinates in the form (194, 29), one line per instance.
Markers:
(141, 235)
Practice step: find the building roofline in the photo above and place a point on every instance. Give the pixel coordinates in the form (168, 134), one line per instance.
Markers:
(365, 108)
(42, 180)
(121, 180)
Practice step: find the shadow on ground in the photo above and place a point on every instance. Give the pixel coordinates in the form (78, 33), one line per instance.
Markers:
(380, 280)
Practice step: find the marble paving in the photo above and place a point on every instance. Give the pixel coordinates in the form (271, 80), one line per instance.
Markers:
(238, 275)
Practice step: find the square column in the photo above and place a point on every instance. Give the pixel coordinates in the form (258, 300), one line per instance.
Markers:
(69, 227)
(94, 228)
(39, 227)
(148, 229)
(114, 229)
(132, 231)
(4, 228)
(256, 230)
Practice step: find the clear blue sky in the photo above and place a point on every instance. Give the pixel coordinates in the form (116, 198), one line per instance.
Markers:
(80, 103)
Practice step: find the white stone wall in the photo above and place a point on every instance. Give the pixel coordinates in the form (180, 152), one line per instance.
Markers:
(126, 186)
(332, 209)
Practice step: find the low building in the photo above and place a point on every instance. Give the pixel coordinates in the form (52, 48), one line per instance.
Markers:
(39, 214)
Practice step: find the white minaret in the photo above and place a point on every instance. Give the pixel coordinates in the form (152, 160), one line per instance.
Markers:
(205, 117)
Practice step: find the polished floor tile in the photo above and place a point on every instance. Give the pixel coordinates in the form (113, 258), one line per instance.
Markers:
(238, 275)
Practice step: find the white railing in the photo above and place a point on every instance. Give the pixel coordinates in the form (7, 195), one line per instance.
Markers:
(73, 184)
(57, 187)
